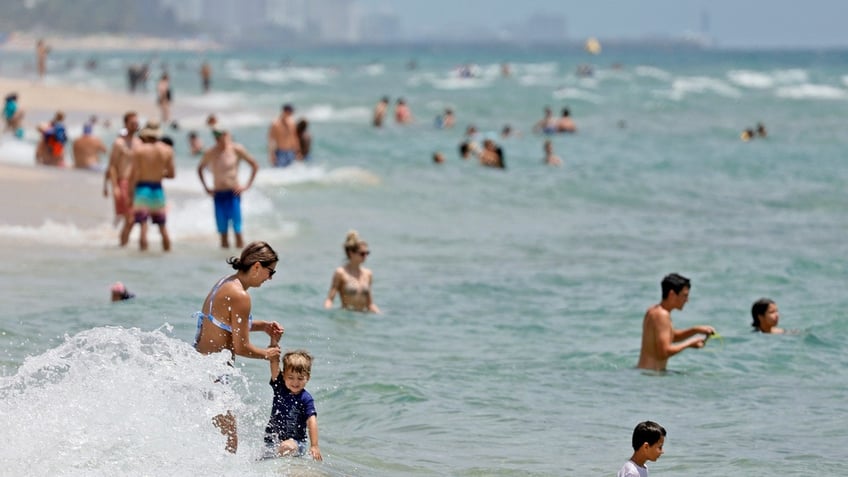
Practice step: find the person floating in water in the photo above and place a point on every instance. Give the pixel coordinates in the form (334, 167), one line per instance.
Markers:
(766, 316)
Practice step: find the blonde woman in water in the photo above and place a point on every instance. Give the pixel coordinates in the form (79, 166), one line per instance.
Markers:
(352, 281)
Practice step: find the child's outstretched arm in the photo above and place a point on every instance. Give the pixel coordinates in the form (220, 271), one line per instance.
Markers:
(312, 427)
(275, 362)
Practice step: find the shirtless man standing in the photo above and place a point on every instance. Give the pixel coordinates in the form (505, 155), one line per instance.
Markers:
(380, 111)
(41, 52)
(87, 150)
(223, 160)
(283, 145)
(152, 161)
(660, 340)
(118, 173)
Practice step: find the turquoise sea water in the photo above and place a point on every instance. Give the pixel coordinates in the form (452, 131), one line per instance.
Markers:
(512, 300)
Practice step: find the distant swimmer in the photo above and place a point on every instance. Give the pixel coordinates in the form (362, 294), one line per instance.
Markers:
(352, 281)
(546, 125)
(438, 158)
(403, 115)
(761, 130)
(304, 140)
(766, 316)
(565, 123)
(491, 155)
(205, 76)
(446, 120)
(747, 135)
(551, 158)
(87, 150)
(283, 145)
(195, 145)
(660, 340)
(380, 111)
(120, 293)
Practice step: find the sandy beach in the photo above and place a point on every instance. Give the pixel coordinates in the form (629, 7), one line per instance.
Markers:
(39, 100)
(31, 195)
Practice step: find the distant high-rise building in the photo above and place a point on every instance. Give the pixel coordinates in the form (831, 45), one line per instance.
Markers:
(289, 14)
(382, 27)
(333, 21)
(544, 28)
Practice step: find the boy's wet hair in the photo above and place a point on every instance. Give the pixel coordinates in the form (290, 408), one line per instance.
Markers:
(647, 432)
(674, 282)
(298, 361)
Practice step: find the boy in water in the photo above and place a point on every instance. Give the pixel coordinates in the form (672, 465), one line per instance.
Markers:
(293, 410)
(648, 439)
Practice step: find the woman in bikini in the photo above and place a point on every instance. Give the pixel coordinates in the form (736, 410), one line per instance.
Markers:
(352, 281)
(225, 322)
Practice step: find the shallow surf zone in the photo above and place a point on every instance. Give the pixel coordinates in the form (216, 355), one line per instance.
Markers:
(119, 401)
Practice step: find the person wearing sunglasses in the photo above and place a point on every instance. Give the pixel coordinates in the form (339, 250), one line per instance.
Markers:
(352, 281)
(225, 321)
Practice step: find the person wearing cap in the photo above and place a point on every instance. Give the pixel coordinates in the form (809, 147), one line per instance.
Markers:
(120, 292)
(152, 162)
(87, 150)
(283, 145)
(118, 173)
(223, 161)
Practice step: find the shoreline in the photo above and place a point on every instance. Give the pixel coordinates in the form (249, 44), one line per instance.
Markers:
(25, 42)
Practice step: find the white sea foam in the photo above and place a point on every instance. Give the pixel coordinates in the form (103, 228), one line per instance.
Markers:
(653, 72)
(811, 91)
(681, 87)
(577, 93)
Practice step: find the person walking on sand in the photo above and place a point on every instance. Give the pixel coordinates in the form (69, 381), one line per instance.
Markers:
(283, 145)
(118, 173)
(163, 98)
(152, 161)
(660, 340)
(352, 281)
(223, 160)
(41, 52)
(225, 320)
(88, 149)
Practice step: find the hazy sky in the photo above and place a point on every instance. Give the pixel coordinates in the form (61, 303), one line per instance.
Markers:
(732, 23)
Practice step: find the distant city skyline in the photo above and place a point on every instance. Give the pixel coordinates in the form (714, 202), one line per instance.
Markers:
(729, 23)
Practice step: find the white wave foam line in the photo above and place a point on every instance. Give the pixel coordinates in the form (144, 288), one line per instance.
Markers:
(308, 174)
(373, 70)
(284, 75)
(575, 93)
(215, 101)
(456, 83)
(811, 91)
(63, 234)
(750, 79)
(325, 113)
(653, 72)
(701, 84)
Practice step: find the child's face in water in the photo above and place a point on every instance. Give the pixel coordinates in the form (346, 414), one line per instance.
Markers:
(295, 382)
(655, 451)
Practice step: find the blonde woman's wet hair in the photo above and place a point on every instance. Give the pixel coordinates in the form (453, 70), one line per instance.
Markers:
(298, 361)
(353, 242)
(254, 252)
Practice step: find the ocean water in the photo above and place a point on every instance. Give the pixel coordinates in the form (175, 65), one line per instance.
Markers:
(513, 300)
